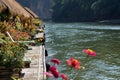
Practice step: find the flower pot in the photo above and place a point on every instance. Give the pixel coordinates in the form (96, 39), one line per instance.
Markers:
(27, 64)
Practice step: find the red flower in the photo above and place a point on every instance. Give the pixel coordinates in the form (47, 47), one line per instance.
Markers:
(89, 52)
(73, 63)
(56, 61)
(55, 74)
(52, 68)
(64, 76)
(54, 71)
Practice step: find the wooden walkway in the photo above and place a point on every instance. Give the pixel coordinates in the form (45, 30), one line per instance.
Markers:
(37, 66)
(37, 57)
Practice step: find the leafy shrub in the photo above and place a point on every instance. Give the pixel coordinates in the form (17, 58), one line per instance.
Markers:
(11, 54)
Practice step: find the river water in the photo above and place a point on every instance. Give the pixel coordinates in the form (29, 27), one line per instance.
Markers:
(65, 40)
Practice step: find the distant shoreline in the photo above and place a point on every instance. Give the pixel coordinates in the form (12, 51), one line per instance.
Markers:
(113, 21)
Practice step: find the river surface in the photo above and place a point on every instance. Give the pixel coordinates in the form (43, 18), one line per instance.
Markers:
(65, 40)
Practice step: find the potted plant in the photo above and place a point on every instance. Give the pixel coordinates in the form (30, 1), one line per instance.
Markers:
(11, 58)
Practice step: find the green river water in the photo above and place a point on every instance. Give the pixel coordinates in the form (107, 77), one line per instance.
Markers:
(65, 40)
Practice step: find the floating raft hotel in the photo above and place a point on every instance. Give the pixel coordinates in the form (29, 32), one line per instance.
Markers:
(36, 53)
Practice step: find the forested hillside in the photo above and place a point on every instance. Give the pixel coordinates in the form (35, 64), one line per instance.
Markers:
(74, 10)
(85, 10)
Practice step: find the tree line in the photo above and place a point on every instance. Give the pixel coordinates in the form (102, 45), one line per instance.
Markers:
(85, 10)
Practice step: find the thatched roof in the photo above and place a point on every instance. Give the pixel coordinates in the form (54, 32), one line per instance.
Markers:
(31, 12)
(14, 8)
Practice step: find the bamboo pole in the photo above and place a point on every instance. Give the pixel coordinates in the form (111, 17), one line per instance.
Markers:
(10, 36)
(19, 41)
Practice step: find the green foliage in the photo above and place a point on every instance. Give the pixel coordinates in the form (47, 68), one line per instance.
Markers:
(37, 22)
(12, 78)
(106, 9)
(3, 38)
(85, 10)
(4, 26)
(11, 54)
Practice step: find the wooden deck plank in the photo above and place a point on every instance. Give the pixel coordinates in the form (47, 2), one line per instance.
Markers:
(37, 67)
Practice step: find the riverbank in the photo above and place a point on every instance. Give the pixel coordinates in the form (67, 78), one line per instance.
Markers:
(111, 22)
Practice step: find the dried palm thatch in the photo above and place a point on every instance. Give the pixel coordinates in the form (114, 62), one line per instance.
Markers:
(14, 8)
(31, 12)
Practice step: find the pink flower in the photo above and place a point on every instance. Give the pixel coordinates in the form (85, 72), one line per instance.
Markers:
(73, 63)
(55, 60)
(64, 77)
(89, 52)
(48, 74)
